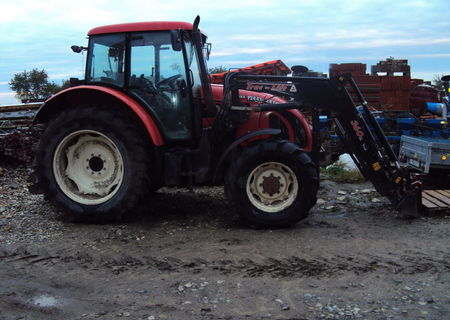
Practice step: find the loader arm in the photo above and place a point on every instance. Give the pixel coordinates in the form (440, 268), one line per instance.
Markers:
(362, 137)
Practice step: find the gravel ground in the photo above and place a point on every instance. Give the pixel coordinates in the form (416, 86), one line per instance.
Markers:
(187, 257)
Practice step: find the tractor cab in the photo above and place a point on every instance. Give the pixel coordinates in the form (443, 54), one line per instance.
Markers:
(159, 64)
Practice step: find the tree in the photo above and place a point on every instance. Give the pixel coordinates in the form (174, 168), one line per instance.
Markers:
(437, 82)
(33, 84)
(218, 69)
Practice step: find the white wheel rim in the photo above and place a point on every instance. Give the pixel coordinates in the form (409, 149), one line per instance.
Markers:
(88, 167)
(272, 187)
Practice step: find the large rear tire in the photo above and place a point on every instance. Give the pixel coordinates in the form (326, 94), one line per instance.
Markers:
(94, 164)
(272, 184)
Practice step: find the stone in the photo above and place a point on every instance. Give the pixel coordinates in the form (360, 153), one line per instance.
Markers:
(320, 201)
(285, 307)
(13, 185)
(342, 192)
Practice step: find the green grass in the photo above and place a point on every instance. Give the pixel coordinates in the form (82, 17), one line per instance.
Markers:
(337, 173)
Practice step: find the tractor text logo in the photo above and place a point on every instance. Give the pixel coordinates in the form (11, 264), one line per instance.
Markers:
(280, 87)
(357, 128)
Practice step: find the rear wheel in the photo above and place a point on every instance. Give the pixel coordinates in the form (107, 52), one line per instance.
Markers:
(272, 184)
(93, 163)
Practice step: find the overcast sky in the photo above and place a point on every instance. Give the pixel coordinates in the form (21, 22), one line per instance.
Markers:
(315, 33)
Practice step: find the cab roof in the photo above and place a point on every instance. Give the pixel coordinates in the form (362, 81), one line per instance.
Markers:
(141, 26)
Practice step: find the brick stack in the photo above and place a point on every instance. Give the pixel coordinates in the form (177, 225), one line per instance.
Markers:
(388, 92)
(370, 86)
(391, 67)
(395, 91)
(353, 68)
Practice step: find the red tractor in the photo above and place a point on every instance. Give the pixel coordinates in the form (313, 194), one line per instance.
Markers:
(146, 116)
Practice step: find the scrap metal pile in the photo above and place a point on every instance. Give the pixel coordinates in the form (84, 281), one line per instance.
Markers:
(17, 137)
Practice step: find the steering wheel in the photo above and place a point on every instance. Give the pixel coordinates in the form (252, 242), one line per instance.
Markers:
(148, 84)
(168, 81)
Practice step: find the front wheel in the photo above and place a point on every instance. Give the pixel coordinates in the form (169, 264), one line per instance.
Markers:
(272, 184)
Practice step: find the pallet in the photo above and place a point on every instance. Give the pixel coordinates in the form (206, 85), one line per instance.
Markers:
(20, 107)
(436, 199)
(16, 116)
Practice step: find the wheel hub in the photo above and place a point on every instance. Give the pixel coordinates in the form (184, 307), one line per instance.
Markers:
(96, 163)
(272, 187)
(271, 184)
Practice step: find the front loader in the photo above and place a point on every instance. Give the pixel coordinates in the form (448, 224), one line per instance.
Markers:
(146, 116)
(358, 129)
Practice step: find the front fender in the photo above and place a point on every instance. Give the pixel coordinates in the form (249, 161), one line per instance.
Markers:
(231, 147)
(90, 94)
(298, 128)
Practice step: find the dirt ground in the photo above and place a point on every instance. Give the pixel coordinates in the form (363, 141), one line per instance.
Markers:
(188, 257)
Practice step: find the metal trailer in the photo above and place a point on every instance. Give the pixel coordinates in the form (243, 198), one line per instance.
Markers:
(430, 154)
(425, 154)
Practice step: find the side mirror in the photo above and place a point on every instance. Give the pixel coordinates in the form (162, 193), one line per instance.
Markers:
(78, 49)
(176, 39)
(207, 50)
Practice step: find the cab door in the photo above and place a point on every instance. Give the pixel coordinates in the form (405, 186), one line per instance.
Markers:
(157, 74)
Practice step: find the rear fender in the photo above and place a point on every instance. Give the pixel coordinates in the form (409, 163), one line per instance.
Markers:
(89, 94)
